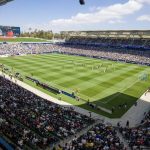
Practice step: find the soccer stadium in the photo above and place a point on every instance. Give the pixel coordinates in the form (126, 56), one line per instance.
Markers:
(76, 89)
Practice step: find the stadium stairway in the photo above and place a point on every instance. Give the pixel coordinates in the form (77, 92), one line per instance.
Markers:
(123, 140)
(70, 138)
(84, 131)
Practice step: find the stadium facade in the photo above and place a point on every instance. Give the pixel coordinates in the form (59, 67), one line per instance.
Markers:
(109, 33)
(9, 31)
(123, 39)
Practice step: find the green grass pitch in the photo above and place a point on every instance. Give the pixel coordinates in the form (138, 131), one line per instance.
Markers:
(105, 83)
(22, 39)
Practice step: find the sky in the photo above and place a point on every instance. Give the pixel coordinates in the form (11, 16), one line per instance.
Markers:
(66, 15)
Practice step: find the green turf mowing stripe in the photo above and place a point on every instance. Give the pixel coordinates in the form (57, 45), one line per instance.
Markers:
(89, 75)
(130, 84)
(60, 71)
(106, 77)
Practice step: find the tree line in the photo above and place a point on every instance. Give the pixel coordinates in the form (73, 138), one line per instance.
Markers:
(42, 34)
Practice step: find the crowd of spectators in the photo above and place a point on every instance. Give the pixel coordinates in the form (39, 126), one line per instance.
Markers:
(100, 137)
(22, 48)
(131, 56)
(138, 137)
(105, 137)
(29, 120)
(112, 53)
(33, 122)
(129, 50)
(134, 43)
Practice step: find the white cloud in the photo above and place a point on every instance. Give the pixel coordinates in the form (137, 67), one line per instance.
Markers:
(96, 18)
(111, 14)
(144, 18)
(143, 1)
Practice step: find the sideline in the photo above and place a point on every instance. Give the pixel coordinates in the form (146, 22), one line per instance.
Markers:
(50, 98)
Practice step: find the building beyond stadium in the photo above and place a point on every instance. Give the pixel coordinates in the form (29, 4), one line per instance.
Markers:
(9, 31)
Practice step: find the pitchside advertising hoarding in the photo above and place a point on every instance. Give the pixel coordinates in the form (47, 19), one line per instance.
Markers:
(9, 31)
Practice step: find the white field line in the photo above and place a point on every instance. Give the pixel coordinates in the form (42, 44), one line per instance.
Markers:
(123, 89)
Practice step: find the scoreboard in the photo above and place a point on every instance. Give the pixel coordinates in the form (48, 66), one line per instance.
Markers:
(9, 31)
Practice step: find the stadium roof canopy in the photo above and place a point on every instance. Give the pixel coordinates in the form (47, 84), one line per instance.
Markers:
(109, 34)
(3, 2)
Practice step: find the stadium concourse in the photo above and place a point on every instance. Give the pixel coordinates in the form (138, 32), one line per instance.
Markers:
(31, 119)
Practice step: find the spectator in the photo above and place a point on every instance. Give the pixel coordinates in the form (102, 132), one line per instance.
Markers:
(138, 137)
(30, 120)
